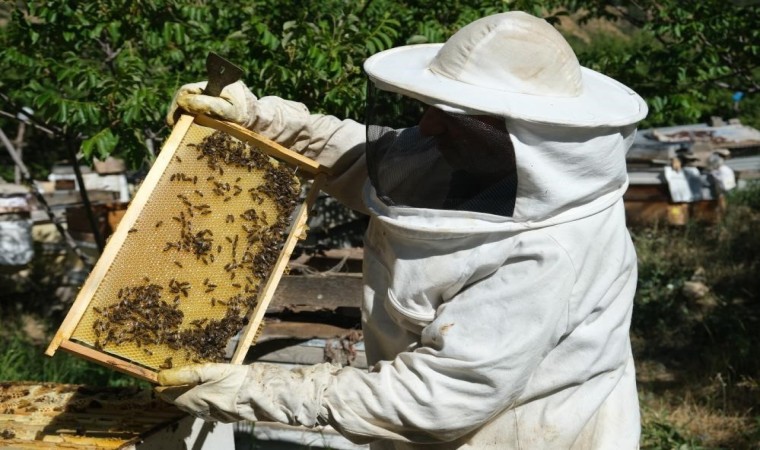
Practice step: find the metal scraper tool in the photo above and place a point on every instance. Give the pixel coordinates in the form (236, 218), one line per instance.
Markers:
(220, 74)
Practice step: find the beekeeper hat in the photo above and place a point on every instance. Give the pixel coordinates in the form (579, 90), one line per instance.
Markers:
(510, 64)
(724, 152)
(686, 153)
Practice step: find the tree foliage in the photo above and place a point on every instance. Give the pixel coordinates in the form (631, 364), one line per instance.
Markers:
(687, 59)
(100, 74)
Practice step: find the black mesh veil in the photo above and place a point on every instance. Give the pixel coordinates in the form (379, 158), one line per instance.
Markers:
(420, 156)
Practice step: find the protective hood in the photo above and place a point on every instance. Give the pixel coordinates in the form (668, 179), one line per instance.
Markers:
(568, 173)
(564, 173)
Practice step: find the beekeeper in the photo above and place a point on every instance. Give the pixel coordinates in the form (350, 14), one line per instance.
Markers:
(723, 176)
(499, 274)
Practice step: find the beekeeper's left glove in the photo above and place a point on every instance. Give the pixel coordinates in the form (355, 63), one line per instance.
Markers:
(234, 104)
(229, 393)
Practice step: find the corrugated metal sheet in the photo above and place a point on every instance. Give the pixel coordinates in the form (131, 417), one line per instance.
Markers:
(660, 143)
(649, 177)
(744, 164)
(731, 134)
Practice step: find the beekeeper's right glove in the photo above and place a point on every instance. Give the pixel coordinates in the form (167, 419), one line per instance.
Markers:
(260, 391)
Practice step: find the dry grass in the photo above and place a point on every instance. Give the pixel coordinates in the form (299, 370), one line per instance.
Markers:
(701, 411)
(569, 26)
(701, 427)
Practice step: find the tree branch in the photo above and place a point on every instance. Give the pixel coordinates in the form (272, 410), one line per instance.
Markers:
(36, 125)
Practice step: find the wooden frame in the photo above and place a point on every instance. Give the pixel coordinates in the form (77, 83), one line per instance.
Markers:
(305, 165)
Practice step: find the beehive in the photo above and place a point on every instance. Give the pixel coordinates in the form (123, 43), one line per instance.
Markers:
(56, 416)
(198, 254)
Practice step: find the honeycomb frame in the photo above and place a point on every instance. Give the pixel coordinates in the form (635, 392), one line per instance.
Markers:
(197, 255)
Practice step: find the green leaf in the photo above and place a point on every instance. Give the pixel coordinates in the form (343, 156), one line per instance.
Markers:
(103, 143)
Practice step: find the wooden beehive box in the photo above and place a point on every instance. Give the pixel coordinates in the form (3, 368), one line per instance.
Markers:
(188, 273)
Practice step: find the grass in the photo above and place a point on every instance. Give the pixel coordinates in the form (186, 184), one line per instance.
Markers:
(697, 356)
(23, 359)
(694, 331)
(31, 310)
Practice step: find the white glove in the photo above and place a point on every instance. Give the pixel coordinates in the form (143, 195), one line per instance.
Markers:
(207, 391)
(234, 104)
(284, 121)
(228, 393)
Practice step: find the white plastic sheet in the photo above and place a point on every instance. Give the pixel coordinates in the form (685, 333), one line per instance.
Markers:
(16, 245)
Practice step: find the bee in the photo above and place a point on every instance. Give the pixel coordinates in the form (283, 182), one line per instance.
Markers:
(167, 364)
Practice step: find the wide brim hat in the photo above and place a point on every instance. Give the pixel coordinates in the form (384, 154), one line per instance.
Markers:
(510, 65)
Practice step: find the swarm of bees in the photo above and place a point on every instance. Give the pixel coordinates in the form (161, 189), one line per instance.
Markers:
(150, 314)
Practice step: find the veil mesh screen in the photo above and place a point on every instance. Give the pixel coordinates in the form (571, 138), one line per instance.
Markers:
(467, 163)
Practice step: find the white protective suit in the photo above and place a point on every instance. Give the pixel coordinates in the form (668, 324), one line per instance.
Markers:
(484, 331)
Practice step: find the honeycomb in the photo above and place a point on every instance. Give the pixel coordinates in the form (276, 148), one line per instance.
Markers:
(188, 275)
(49, 415)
